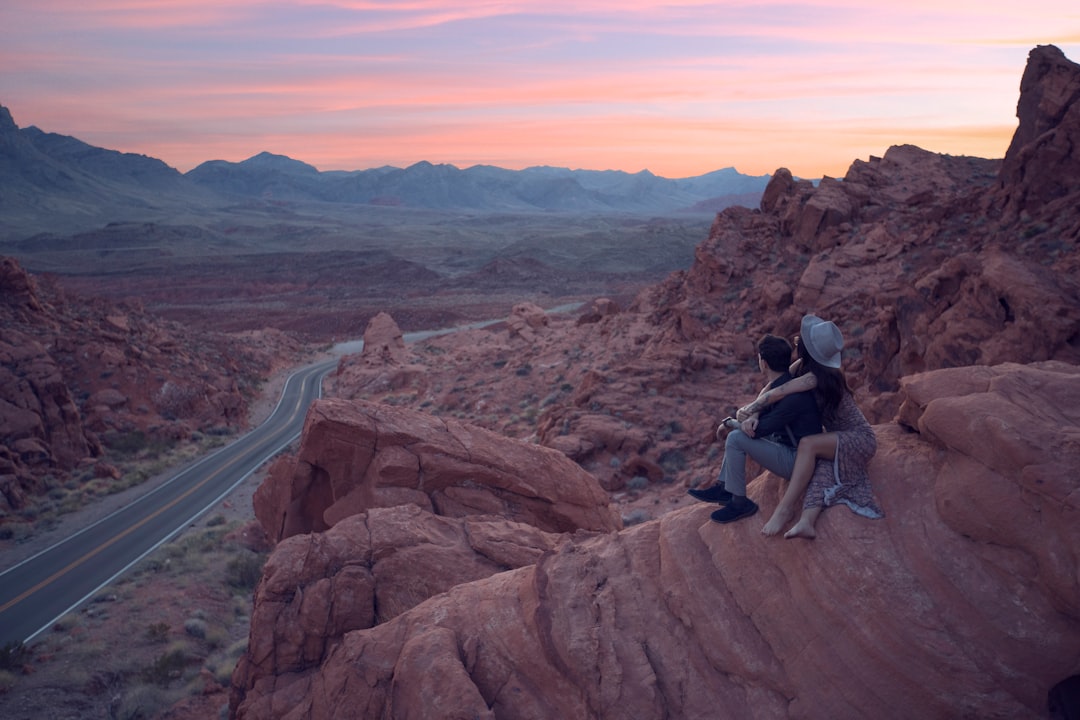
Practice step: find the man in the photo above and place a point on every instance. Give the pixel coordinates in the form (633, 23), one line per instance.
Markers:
(770, 438)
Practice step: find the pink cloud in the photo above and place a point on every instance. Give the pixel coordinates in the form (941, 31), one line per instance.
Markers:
(678, 87)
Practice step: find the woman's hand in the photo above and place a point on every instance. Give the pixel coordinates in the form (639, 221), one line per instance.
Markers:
(749, 426)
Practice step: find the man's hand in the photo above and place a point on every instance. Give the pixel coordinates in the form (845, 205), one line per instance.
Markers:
(749, 425)
(726, 425)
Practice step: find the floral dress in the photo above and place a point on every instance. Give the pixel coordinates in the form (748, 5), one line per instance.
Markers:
(845, 480)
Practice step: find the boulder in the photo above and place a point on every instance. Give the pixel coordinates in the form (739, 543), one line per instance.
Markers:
(357, 455)
(526, 320)
(366, 570)
(383, 340)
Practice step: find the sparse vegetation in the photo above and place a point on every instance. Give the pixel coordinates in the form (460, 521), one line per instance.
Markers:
(13, 655)
(244, 570)
(147, 672)
(158, 632)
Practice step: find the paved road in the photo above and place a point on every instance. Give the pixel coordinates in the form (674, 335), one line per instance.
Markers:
(40, 590)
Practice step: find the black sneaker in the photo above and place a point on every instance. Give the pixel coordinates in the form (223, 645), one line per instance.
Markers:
(716, 494)
(743, 507)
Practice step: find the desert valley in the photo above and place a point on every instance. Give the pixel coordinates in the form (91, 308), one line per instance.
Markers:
(493, 522)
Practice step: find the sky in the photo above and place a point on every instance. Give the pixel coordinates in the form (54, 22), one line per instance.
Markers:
(679, 88)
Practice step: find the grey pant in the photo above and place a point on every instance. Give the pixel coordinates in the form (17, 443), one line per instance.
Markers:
(773, 456)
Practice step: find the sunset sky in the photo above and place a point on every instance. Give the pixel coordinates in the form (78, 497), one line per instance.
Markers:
(679, 87)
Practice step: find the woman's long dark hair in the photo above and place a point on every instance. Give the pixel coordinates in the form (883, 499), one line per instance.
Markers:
(831, 384)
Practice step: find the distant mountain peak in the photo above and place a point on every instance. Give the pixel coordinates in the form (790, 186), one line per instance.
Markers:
(7, 123)
(270, 161)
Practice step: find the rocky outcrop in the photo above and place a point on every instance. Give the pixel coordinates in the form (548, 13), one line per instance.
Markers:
(914, 254)
(383, 363)
(962, 602)
(81, 379)
(1042, 165)
(366, 570)
(961, 313)
(357, 455)
(526, 320)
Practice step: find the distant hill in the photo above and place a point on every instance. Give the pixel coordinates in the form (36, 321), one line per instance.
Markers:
(480, 188)
(57, 183)
(51, 182)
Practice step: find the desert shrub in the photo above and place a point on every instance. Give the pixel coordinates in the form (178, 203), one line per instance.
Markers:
(635, 518)
(166, 667)
(157, 633)
(140, 703)
(638, 482)
(195, 627)
(672, 461)
(126, 444)
(223, 672)
(13, 655)
(244, 571)
(669, 429)
(216, 637)
(174, 400)
(7, 681)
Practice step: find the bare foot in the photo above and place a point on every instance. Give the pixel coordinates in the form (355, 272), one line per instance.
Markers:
(803, 530)
(779, 519)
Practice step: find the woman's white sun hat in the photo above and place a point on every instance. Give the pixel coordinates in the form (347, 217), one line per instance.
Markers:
(822, 339)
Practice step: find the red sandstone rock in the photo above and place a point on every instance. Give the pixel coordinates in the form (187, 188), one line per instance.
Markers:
(355, 456)
(76, 376)
(526, 320)
(366, 570)
(1042, 165)
(384, 363)
(600, 309)
(962, 602)
(383, 339)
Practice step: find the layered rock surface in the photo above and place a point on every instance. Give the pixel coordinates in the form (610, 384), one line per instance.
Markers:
(355, 456)
(962, 602)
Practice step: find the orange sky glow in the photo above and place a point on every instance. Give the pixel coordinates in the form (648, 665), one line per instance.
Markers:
(680, 88)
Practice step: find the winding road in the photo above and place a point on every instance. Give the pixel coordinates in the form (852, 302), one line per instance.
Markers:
(41, 589)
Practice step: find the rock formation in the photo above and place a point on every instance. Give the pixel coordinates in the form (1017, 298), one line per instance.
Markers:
(355, 456)
(962, 602)
(383, 364)
(80, 376)
(367, 569)
(955, 282)
(1042, 166)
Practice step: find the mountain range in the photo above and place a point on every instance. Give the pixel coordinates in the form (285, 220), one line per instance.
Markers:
(57, 183)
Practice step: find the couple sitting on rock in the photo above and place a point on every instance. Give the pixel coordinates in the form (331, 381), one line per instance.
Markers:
(782, 431)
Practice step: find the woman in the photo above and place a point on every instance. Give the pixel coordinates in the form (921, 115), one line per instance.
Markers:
(849, 441)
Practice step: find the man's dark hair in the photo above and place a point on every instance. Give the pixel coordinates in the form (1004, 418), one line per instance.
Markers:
(775, 351)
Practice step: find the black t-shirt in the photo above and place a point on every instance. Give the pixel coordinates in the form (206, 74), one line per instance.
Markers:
(798, 411)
